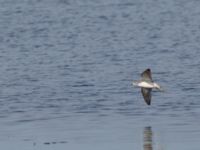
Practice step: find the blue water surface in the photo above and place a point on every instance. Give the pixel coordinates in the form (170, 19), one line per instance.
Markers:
(67, 68)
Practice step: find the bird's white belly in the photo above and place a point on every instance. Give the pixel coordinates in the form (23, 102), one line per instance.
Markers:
(145, 85)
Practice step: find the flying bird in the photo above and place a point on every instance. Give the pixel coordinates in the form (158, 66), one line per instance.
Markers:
(147, 84)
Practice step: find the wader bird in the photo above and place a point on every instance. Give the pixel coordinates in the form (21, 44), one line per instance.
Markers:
(146, 83)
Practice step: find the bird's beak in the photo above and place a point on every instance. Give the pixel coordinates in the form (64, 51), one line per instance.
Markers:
(161, 89)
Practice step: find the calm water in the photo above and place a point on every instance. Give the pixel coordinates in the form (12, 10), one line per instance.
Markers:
(67, 67)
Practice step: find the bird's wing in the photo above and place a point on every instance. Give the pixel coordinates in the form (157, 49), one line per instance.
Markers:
(146, 75)
(146, 95)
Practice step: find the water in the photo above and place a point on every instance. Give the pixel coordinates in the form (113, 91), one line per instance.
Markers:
(67, 67)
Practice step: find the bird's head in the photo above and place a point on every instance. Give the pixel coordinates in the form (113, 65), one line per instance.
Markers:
(158, 87)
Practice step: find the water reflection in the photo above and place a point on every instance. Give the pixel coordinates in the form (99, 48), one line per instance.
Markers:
(148, 140)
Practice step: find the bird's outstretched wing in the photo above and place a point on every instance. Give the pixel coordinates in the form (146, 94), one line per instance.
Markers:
(146, 75)
(146, 95)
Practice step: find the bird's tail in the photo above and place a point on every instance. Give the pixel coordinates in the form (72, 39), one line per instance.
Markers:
(135, 83)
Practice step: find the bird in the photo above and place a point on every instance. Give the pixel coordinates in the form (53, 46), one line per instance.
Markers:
(147, 84)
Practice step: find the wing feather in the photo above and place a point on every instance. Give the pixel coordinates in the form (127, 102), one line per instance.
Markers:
(146, 75)
(146, 93)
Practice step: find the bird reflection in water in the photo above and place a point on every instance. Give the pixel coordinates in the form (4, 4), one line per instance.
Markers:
(148, 140)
